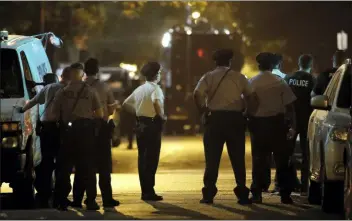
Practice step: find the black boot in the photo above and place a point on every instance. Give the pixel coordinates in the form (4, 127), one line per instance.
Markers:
(242, 194)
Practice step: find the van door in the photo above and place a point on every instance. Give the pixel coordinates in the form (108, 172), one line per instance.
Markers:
(34, 111)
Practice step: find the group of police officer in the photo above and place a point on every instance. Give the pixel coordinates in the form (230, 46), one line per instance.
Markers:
(75, 133)
(276, 109)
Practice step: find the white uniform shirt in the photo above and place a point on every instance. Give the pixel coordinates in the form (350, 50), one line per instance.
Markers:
(46, 96)
(142, 99)
(279, 73)
(273, 94)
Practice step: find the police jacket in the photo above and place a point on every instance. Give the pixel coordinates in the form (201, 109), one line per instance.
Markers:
(302, 84)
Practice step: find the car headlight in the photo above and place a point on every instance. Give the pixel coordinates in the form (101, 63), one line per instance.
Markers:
(6, 127)
(9, 142)
(339, 134)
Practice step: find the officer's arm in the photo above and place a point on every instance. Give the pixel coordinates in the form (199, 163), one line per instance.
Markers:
(199, 94)
(320, 85)
(250, 97)
(38, 99)
(128, 104)
(288, 98)
(291, 114)
(157, 98)
(158, 108)
(112, 104)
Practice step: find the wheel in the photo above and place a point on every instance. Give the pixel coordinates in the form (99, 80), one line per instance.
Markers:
(333, 196)
(347, 195)
(23, 187)
(314, 193)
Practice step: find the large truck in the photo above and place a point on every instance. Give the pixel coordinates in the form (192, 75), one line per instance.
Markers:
(186, 56)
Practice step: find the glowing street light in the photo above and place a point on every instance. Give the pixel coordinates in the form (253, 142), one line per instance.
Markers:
(342, 40)
(227, 31)
(195, 15)
(165, 42)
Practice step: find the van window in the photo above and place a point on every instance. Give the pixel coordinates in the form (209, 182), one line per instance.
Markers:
(28, 75)
(11, 84)
(344, 97)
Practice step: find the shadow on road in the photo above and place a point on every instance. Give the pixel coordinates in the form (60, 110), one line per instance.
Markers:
(256, 213)
(173, 210)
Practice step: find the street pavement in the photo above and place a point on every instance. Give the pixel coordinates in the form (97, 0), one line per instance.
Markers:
(179, 180)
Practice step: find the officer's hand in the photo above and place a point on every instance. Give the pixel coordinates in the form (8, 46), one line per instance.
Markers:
(291, 133)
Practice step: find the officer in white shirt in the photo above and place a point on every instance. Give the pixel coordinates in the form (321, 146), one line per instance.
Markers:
(49, 138)
(268, 128)
(218, 96)
(147, 102)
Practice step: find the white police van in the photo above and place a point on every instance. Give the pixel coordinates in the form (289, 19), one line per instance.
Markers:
(24, 63)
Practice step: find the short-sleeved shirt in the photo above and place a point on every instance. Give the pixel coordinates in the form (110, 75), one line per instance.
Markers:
(273, 94)
(279, 73)
(46, 96)
(323, 80)
(87, 103)
(302, 84)
(229, 93)
(106, 96)
(142, 99)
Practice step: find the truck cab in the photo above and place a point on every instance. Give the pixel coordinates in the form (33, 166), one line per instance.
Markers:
(24, 63)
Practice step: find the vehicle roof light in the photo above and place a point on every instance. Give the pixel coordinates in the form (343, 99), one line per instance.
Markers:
(129, 67)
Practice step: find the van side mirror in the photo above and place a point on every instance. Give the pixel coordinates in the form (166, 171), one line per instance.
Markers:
(320, 102)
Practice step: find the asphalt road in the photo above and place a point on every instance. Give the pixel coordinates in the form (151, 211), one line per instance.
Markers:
(177, 153)
(179, 180)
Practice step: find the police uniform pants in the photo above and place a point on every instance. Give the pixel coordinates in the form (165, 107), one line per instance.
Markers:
(149, 144)
(77, 151)
(302, 130)
(269, 136)
(103, 160)
(224, 127)
(266, 166)
(49, 145)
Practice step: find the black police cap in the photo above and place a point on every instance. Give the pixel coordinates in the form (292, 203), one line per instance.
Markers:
(277, 59)
(150, 69)
(223, 54)
(265, 58)
(91, 66)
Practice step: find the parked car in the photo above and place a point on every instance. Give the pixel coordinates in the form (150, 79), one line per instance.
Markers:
(327, 136)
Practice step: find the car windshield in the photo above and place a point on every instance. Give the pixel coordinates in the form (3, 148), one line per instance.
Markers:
(11, 85)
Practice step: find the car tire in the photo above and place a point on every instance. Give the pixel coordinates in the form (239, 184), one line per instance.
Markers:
(333, 196)
(23, 188)
(314, 193)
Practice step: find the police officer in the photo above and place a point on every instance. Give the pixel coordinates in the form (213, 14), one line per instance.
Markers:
(302, 83)
(324, 78)
(147, 102)
(77, 105)
(268, 129)
(218, 96)
(49, 138)
(102, 142)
